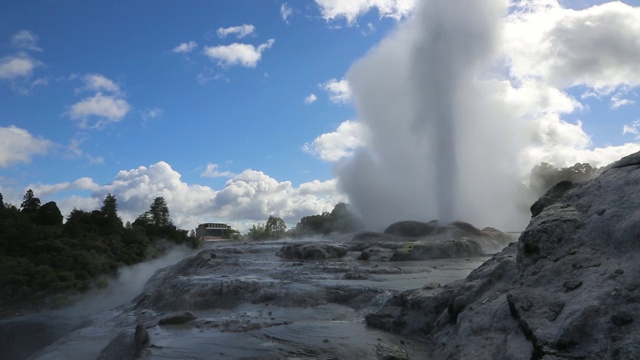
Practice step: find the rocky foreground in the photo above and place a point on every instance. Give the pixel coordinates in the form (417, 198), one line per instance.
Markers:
(289, 299)
(568, 289)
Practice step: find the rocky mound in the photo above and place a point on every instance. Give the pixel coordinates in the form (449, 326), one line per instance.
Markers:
(569, 289)
(415, 240)
(312, 251)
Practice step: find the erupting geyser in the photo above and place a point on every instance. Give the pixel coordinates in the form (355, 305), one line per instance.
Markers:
(441, 144)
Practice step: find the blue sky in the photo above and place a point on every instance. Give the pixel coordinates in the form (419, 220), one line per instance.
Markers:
(243, 119)
(235, 110)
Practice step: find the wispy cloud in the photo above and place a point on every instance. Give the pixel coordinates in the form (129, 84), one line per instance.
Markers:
(310, 99)
(239, 31)
(285, 11)
(75, 151)
(84, 183)
(98, 82)
(207, 75)
(26, 40)
(149, 114)
(212, 171)
(632, 129)
(18, 68)
(617, 100)
(185, 47)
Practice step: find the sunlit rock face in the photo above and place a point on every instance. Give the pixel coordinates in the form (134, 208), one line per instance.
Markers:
(570, 288)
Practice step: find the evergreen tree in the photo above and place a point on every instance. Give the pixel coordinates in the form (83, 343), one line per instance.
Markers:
(158, 213)
(2, 211)
(112, 223)
(49, 214)
(30, 203)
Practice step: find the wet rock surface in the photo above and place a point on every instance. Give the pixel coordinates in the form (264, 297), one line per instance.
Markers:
(20, 337)
(303, 299)
(569, 289)
(127, 345)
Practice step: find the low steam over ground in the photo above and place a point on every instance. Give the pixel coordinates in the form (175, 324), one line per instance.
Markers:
(454, 120)
(126, 285)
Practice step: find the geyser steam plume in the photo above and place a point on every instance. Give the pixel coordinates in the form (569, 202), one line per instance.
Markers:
(441, 145)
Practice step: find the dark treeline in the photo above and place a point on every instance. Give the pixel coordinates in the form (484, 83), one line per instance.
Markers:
(45, 261)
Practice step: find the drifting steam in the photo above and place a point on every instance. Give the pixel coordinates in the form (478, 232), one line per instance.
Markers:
(441, 144)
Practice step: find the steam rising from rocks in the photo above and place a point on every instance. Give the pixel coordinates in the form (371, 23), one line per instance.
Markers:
(442, 145)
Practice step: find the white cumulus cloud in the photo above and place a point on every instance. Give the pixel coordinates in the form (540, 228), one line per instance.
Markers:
(15, 66)
(339, 91)
(107, 105)
(246, 55)
(596, 47)
(245, 199)
(253, 195)
(105, 108)
(339, 144)
(19, 146)
(352, 9)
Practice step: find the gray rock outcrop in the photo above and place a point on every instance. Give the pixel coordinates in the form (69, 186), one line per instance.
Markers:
(177, 318)
(312, 251)
(568, 289)
(415, 240)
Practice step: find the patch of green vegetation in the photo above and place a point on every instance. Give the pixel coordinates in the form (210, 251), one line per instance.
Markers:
(44, 262)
